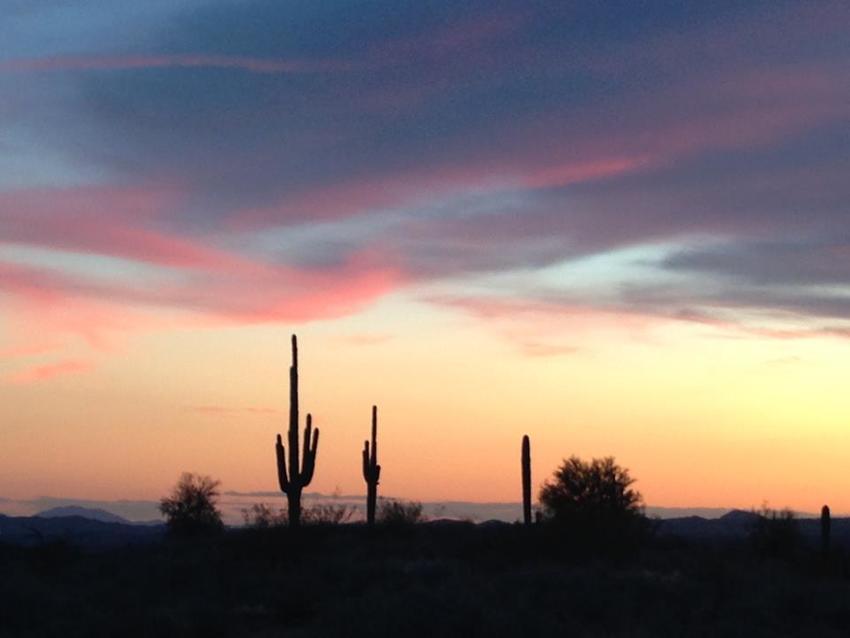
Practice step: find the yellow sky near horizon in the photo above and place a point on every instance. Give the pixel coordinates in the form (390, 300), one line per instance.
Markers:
(700, 417)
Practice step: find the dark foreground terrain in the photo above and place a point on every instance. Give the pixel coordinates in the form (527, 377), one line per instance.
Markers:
(443, 579)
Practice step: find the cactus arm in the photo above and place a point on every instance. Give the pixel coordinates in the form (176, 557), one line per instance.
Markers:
(310, 459)
(374, 458)
(371, 470)
(308, 431)
(315, 445)
(281, 465)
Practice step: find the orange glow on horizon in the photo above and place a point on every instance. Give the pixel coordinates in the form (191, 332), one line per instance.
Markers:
(698, 419)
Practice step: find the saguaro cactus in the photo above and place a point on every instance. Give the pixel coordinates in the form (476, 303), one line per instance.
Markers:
(300, 471)
(825, 529)
(526, 480)
(371, 469)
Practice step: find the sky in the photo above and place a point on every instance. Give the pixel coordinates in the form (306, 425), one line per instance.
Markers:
(621, 228)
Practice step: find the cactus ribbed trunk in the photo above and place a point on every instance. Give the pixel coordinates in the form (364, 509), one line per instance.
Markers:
(293, 482)
(371, 502)
(294, 508)
(825, 529)
(371, 469)
(526, 480)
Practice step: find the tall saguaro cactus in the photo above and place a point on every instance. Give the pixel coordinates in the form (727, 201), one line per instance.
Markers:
(825, 529)
(300, 471)
(526, 480)
(371, 469)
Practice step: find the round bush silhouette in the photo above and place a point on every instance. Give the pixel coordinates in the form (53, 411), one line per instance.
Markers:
(191, 507)
(594, 503)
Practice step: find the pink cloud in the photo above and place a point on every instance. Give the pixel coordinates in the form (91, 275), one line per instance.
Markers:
(121, 63)
(117, 222)
(577, 172)
(357, 196)
(50, 371)
(258, 293)
(45, 309)
(362, 196)
(46, 302)
(540, 327)
(290, 295)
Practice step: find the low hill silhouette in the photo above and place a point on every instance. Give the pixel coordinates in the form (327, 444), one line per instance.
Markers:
(93, 514)
(93, 528)
(82, 531)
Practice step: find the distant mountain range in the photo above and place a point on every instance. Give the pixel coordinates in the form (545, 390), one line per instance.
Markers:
(96, 528)
(92, 514)
(233, 503)
(76, 529)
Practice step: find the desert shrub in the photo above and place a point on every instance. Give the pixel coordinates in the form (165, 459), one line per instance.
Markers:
(593, 504)
(396, 513)
(191, 507)
(775, 533)
(262, 516)
(328, 514)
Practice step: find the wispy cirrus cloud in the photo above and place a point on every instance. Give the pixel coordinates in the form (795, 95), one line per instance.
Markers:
(179, 61)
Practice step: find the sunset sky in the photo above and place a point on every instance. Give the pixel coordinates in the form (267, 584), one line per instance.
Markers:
(620, 227)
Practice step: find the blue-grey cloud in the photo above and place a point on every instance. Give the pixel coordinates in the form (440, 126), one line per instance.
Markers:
(445, 140)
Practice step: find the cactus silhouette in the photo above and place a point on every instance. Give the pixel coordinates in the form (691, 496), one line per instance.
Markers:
(371, 469)
(825, 529)
(300, 474)
(526, 480)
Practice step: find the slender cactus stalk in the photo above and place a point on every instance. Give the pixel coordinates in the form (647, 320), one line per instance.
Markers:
(526, 480)
(825, 530)
(293, 482)
(371, 469)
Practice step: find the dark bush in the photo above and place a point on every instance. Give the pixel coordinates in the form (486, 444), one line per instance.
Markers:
(393, 512)
(191, 509)
(594, 505)
(262, 516)
(329, 514)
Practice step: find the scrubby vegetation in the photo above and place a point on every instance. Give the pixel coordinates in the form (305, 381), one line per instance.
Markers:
(432, 579)
(775, 533)
(262, 516)
(397, 513)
